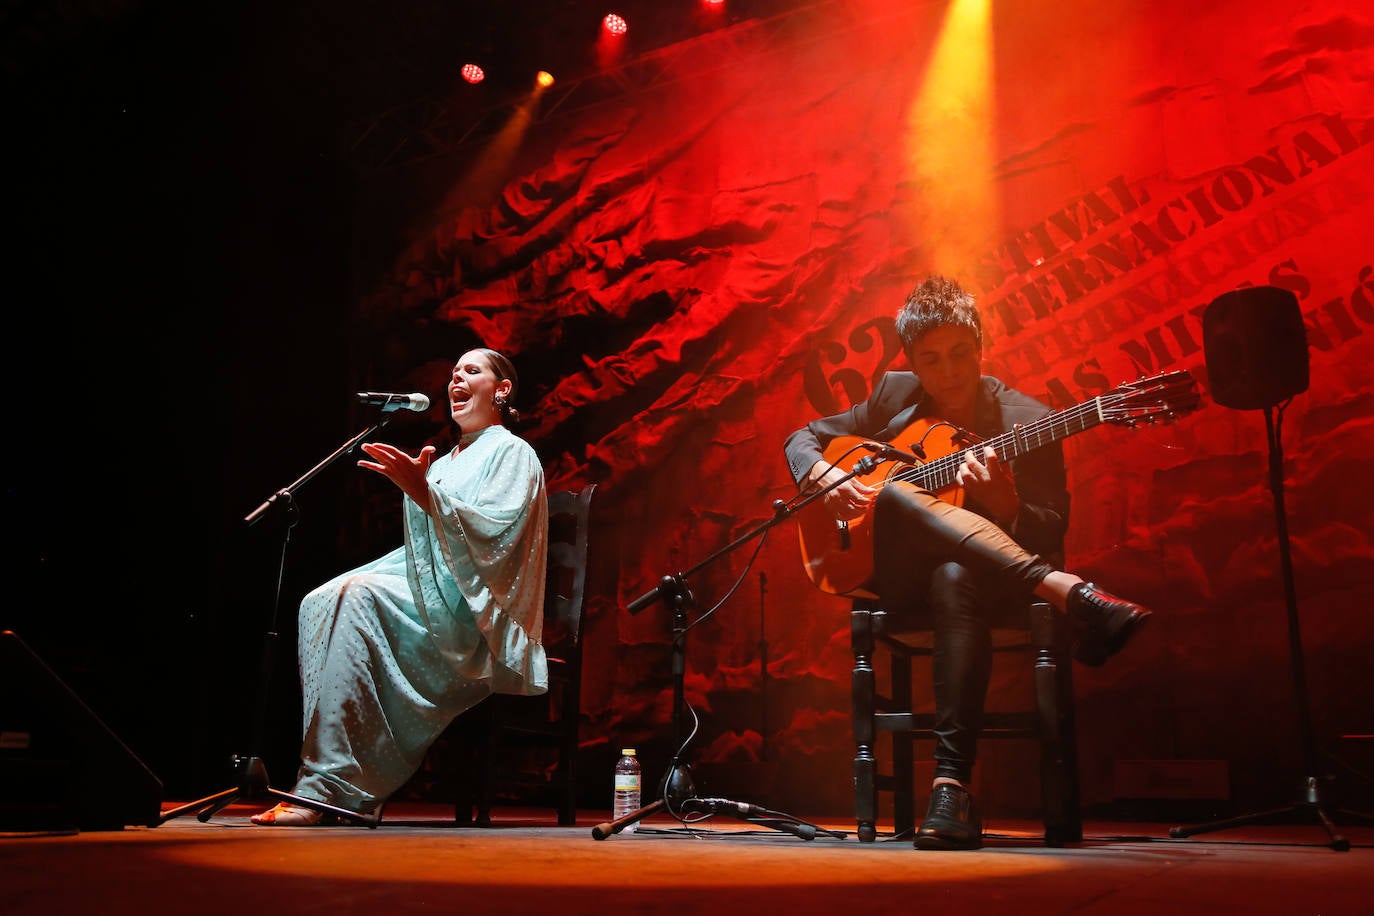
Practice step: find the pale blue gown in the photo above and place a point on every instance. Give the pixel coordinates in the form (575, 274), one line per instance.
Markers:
(392, 651)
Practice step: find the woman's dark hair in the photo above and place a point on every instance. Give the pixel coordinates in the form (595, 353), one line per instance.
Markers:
(503, 369)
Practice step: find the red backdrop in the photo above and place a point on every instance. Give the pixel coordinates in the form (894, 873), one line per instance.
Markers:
(687, 271)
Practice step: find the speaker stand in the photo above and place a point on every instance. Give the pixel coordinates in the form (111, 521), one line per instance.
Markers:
(1311, 806)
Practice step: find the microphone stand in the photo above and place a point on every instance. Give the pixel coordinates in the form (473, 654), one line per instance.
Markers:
(254, 783)
(763, 668)
(676, 791)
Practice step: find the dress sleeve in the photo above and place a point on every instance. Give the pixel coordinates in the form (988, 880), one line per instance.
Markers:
(486, 539)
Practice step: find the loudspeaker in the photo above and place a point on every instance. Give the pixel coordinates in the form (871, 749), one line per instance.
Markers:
(1255, 345)
(61, 768)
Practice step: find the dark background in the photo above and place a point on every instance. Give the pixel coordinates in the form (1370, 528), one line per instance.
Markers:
(182, 237)
(180, 284)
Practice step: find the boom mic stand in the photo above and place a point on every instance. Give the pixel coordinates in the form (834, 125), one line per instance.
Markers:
(254, 783)
(676, 791)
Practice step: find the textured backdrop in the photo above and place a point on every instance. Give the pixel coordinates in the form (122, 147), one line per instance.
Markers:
(688, 271)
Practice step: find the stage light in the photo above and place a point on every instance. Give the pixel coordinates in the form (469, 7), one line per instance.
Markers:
(473, 73)
(951, 151)
(544, 79)
(615, 24)
(710, 14)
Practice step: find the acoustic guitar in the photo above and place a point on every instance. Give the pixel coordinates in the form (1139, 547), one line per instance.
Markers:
(838, 555)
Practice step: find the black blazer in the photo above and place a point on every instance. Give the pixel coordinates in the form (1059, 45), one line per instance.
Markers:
(898, 400)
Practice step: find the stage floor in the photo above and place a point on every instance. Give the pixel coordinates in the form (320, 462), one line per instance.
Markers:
(417, 861)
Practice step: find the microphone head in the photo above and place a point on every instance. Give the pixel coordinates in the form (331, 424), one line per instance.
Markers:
(392, 402)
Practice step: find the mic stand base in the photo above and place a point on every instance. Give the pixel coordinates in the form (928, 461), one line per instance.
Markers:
(676, 793)
(254, 786)
(673, 789)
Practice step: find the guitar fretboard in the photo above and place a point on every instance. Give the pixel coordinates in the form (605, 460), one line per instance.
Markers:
(940, 473)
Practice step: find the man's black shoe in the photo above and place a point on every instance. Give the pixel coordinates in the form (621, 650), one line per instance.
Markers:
(1108, 622)
(952, 820)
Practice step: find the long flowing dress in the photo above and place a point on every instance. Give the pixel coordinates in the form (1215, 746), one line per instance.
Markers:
(392, 651)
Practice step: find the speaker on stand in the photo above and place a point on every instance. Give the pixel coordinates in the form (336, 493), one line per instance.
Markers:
(1255, 346)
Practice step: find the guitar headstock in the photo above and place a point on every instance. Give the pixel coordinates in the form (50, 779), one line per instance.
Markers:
(1159, 398)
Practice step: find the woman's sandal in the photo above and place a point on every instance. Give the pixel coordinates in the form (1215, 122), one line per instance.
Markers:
(286, 814)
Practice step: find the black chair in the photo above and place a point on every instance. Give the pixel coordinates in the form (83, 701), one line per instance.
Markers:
(1041, 634)
(524, 748)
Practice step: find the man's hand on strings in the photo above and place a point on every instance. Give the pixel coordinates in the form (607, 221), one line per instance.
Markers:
(990, 483)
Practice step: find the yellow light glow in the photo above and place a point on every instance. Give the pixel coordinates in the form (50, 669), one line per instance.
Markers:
(544, 79)
(951, 142)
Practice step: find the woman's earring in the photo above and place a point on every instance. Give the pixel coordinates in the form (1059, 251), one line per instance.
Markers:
(499, 401)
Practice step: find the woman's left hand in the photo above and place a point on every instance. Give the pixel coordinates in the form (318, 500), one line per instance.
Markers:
(401, 469)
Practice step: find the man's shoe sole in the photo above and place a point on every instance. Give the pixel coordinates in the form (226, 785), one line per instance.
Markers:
(1127, 631)
(936, 842)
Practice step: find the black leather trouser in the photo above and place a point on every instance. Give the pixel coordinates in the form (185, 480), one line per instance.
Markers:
(955, 570)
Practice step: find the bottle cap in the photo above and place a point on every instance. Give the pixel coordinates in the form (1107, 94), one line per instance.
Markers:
(627, 752)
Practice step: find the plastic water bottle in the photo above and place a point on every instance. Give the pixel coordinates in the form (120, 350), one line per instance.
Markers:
(626, 786)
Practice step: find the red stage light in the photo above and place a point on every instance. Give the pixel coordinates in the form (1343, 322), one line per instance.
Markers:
(615, 24)
(473, 73)
(711, 12)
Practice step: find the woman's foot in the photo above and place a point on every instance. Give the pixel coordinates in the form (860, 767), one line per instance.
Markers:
(289, 815)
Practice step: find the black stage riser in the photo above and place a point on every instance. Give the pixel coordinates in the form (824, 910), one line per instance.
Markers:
(61, 768)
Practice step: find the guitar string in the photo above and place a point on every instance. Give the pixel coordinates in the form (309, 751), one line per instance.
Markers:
(942, 470)
(946, 466)
(929, 475)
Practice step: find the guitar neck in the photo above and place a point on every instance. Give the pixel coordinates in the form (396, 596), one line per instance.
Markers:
(940, 473)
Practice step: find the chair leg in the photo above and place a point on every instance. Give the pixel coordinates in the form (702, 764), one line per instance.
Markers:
(863, 689)
(463, 774)
(476, 790)
(486, 785)
(566, 775)
(903, 752)
(1058, 768)
(1071, 830)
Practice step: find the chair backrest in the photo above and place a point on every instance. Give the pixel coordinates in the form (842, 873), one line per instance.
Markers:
(566, 586)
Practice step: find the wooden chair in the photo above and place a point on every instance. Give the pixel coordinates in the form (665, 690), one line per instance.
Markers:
(1041, 634)
(506, 742)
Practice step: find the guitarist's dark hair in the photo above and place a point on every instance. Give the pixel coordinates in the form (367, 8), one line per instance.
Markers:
(937, 302)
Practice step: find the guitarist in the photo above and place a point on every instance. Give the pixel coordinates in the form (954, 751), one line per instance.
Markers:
(955, 565)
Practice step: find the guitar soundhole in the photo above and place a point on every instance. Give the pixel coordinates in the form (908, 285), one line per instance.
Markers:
(843, 528)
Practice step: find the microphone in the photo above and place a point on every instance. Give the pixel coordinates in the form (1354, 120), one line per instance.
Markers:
(894, 454)
(752, 813)
(721, 806)
(389, 402)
